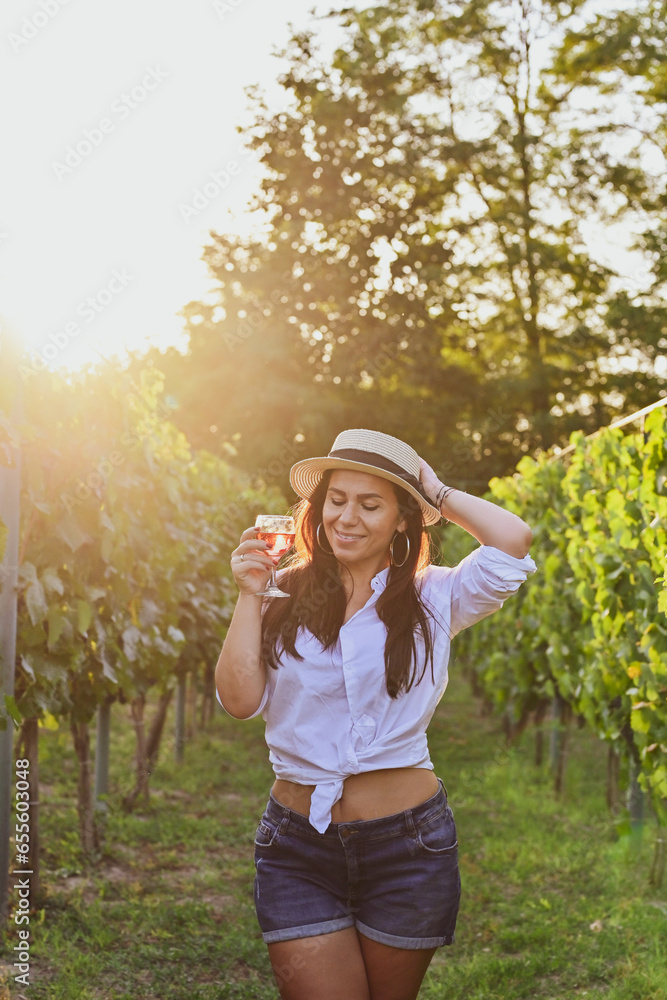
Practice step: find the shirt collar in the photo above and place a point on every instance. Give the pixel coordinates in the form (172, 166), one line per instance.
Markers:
(379, 581)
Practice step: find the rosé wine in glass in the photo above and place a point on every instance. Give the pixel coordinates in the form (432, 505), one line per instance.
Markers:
(278, 532)
(278, 543)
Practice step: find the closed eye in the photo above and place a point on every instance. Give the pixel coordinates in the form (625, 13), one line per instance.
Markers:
(341, 503)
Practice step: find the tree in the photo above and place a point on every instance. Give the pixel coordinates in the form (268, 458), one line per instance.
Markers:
(423, 268)
(623, 55)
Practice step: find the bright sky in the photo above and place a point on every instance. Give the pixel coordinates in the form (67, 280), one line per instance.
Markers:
(122, 114)
(151, 93)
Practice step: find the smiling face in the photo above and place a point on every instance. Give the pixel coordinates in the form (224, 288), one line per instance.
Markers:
(360, 517)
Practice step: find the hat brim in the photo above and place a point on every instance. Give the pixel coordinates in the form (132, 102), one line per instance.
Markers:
(305, 477)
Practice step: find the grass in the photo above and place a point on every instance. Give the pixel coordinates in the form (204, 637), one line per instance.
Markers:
(555, 903)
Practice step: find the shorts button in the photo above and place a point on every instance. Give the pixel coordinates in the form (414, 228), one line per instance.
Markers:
(345, 833)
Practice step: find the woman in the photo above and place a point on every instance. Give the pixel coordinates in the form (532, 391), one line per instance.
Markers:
(357, 878)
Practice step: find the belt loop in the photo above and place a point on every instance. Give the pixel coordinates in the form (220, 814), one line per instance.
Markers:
(283, 812)
(409, 822)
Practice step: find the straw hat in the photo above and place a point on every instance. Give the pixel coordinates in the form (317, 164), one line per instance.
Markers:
(367, 451)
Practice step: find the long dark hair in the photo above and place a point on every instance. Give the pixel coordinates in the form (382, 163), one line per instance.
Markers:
(318, 599)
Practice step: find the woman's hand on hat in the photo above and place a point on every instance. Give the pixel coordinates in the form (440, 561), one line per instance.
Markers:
(251, 565)
(429, 481)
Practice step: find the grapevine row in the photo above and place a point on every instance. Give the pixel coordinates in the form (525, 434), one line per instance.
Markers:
(124, 576)
(589, 628)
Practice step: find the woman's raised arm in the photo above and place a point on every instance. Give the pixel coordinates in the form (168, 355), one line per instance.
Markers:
(485, 521)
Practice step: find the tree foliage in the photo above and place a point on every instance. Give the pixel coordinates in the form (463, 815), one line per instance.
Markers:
(423, 266)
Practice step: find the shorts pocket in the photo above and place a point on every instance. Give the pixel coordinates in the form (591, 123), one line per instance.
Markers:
(439, 838)
(266, 833)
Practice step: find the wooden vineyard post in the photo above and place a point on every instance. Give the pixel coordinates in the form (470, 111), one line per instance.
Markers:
(208, 696)
(613, 769)
(635, 801)
(540, 713)
(657, 873)
(179, 742)
(88, 832)
(562, 716)
(102, 763)
(191, 706)
(11, 404)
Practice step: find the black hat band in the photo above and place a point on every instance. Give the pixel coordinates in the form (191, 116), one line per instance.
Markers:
(380, 462)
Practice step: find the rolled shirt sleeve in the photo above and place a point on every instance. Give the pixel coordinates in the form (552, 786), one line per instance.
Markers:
(262, 705)
(481, 583)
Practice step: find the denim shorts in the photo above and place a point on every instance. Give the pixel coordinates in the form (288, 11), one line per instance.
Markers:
(396, 879)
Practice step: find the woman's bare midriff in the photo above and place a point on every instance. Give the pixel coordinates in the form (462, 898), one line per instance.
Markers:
(369, 795)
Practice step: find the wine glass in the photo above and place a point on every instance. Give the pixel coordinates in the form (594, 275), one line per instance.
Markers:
(278, 532)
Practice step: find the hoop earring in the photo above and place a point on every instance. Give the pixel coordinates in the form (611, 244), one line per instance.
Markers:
(329, 552)
(391, 550)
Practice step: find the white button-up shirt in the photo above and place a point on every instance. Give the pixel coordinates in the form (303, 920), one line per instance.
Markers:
(329, 715)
